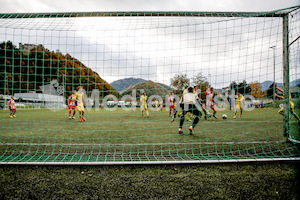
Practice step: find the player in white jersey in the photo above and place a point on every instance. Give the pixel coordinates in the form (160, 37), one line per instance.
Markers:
(188, 104)
(209, 103)
(12, 107)
(71, 104)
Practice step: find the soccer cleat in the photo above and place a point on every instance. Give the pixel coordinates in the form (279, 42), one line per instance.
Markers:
(14, 116)
(234, 117)
(240, 116)
(83, 119)
(205, 117)
(10, 116)
(215, 116)
(73, 117)
(70, 117)
(191, 130)
(180, 131)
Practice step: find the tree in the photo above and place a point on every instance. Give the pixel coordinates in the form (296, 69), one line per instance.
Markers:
(244, 88)
(233, 86)
(201, 82)
(179, 81)
(270, 92)
(256, 90)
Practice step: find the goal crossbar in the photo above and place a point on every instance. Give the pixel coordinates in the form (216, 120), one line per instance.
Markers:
(276, 13)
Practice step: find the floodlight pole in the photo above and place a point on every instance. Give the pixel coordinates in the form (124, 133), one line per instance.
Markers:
(273, 47)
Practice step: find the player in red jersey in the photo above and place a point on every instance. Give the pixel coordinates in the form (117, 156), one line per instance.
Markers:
(209, 103)
(12, 107)
(172, 104)
(71, 104)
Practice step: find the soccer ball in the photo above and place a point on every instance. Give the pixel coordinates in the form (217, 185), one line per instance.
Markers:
(224, 116)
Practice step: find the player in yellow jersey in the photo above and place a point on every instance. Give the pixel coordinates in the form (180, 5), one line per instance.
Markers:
(292, 105)
(143, 103)
(79, 98)
(156, 104)
(239, 105)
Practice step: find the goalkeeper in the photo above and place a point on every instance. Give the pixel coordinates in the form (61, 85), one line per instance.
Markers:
(188, 118)
(188, 104)
(189, 114)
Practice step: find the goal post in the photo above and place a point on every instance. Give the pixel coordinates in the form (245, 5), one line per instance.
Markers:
(237, 57)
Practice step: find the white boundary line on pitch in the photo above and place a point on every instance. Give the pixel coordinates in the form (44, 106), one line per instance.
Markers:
(138, 144)
(156, 162)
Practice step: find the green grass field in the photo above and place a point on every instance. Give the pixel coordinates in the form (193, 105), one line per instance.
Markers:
(41, 135)
(214, 181)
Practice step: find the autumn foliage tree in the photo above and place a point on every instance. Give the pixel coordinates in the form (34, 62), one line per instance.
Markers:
(256, 90)
(179, 81)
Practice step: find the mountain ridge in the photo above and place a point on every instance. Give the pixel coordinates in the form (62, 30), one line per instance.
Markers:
(121, 85)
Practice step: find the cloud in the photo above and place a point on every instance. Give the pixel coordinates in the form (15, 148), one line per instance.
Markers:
(142, 5)
(158, 48)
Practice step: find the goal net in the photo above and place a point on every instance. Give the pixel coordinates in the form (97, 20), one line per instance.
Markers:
(234, 59)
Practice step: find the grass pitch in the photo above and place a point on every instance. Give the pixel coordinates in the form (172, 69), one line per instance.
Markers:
(215, 181)
(42, 135)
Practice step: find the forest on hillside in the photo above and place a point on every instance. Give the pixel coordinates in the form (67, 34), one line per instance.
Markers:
(23, 71)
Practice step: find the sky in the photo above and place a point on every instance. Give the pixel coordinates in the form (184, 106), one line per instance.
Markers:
(10, 6)
(223, 50)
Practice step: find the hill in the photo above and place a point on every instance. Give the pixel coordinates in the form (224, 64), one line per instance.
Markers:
(266, 84)
(165, 86)
(150, 87)
(27, 71)
(122, 85)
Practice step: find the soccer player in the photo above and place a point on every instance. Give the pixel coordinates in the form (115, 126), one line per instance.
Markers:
(239, 102)
(79, 98)
(206, 113)
(160, 105)
(156, 105)
(209, 103)
(187, 114)
(292, 105)
(12, 107)
(143, 103)
(188, 102)
(171, 101)
(71, 103)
